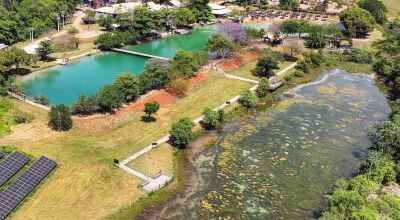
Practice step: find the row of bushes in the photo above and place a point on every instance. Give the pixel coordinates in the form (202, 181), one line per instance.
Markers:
(128, 87)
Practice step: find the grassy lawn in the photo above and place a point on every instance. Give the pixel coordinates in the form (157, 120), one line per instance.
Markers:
(86, 185)
(367, 43)
(245, 70)
(83, 48)
(394, 8)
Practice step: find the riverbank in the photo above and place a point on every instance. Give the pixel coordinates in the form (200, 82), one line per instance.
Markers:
(235, 111)
(154, 211)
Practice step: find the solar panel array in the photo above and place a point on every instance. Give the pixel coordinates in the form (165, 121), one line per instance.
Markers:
(11, 165)
(25, 183)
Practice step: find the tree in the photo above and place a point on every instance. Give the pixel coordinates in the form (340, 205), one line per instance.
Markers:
(358, 22)
(155, 74)
(110, 97)
(289, 4)
(316, 40)
(128, 86)
(220, 47)
(18, 57)
(183, 17)
(345, 202)
(109, 40)
(263, 88)
(248, 99)
(181, 132)
(211, 118)
(200, 9)
(184, 63)
(265, 67)
(233, 32)
(144, 21)
(106, 22)
(254, 33)
(151, 108)
(292, 46)
(377, 9)
(85, 105)
(60, 118)
(295, 26)
(90, 16)
(45, 48)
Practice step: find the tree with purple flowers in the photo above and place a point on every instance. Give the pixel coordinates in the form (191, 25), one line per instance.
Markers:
(232, 31)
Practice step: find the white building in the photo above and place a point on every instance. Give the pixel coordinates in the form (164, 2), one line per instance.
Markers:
(219, 10)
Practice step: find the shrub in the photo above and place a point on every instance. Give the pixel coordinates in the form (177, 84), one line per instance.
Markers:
(60, 118)
(211, 118)
(248, 99)
(221, 115)
(288, 77)
(298, 73)
(72, 30)
(358, 21)
(85, 105)
(181, 132)
(41, 99)
(110, 98)
(358, 55)
(263, 88)
(21, 117)
(178, 87)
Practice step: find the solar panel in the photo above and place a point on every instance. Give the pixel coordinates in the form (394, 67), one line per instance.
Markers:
(11, 165)
(25, 183)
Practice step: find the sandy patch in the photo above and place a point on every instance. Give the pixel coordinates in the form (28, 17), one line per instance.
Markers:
(234, 63)
(328, 90)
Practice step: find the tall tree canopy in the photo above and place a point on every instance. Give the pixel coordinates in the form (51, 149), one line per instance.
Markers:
(377, 9)
(358, 22)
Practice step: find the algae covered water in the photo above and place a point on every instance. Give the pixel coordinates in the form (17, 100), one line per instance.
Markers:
(279, 163)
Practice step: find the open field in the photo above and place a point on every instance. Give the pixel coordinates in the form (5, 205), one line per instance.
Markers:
(86, 185)
(394, 8)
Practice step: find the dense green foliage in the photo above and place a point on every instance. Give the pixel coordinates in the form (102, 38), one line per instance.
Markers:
(200, 9)
(295, 26)
(60, 118)
(184, 63)
(183, 16)
(220, 47)
(310, 61)
(85, 105)
(211, 118)
(365, 196)
(263, 88)
(248, 99)
(17, 16)
(109, 40)
(181, 132)
(358, 22)
(155, 74)
(265, 67)
(128, 86)
(110, 98)
(41, 99)
(377, 9)
(45, 48)
(151, 108)
(293, 5)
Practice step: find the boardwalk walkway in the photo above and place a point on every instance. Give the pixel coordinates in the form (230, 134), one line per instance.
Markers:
(138, 54)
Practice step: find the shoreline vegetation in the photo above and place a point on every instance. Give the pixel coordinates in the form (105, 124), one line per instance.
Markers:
(182, 170)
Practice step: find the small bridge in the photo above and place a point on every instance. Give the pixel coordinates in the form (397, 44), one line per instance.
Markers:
(139, 54)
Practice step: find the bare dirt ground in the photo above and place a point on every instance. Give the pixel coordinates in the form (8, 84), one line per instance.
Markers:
(234, 63)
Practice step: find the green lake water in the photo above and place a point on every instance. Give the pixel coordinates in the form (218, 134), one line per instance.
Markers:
(86, 76)
(279, 163)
